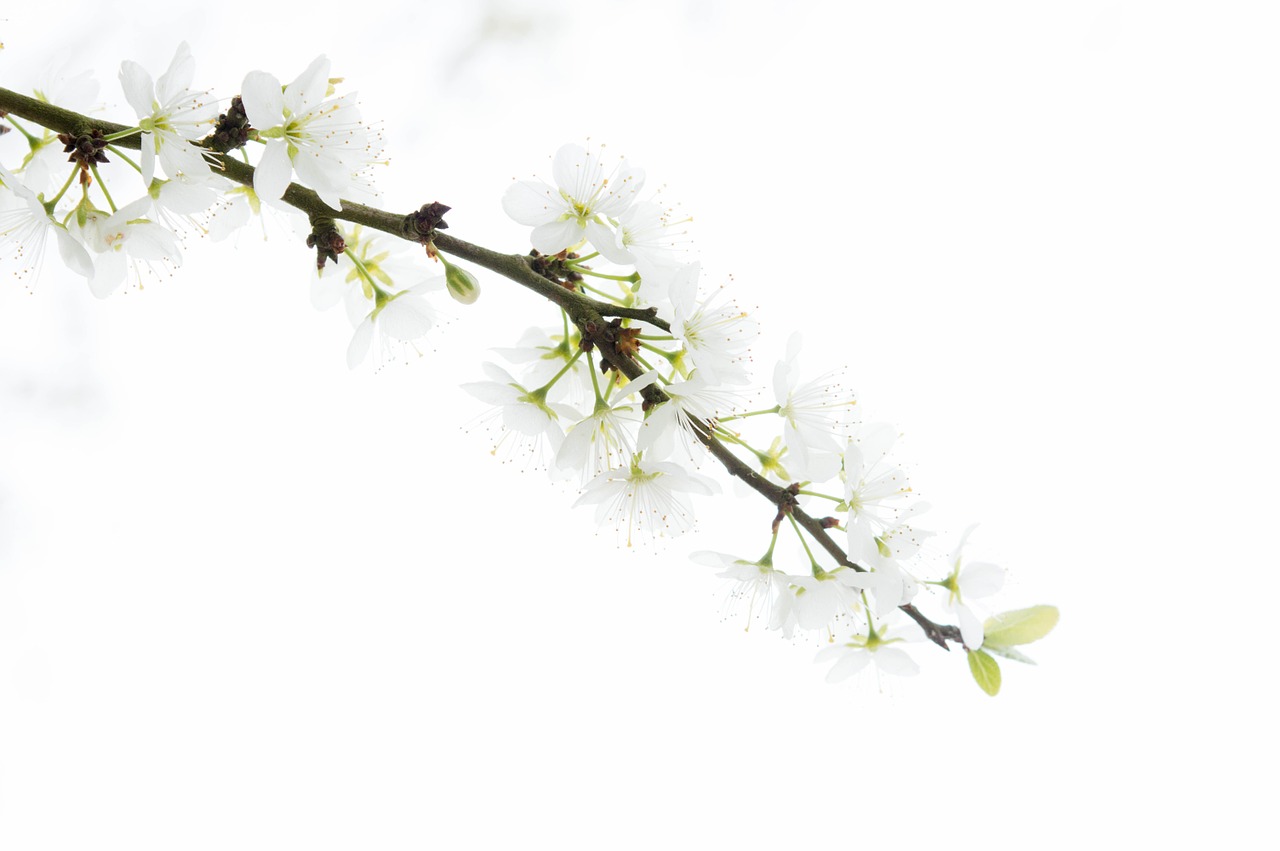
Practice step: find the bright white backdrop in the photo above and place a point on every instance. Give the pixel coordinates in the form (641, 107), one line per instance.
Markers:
(250, 599)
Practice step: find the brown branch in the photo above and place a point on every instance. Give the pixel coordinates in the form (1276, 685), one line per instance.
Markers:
(588, 314)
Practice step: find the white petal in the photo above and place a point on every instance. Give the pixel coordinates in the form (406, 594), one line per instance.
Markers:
(554, 237)
(851, 663)
(182, 70)
(605, 240)
(359, 345)
(622, 192)
(73, 253)
(407, 318)
(262, 99)
(980, 579)
(310, 87)
(892, 660)
(970, 627)
(109, 270)
(271, 178)
(138, 88)
(570, 167)
(533, 203)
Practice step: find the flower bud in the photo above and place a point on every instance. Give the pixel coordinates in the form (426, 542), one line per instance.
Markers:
(462, 284)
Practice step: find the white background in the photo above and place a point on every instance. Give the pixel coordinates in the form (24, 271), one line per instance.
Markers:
(250, 599)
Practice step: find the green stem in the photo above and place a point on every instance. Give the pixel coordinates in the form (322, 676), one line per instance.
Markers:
(94, 168)
(821, 495)
(364, 273)
(33, 141)
(542, 391)
(595, 291)
(767, 558)
(630, 279)
(49, 205)
(123, 134)
(772, 410)
(813, 562)
(122, 155)
(595, 382)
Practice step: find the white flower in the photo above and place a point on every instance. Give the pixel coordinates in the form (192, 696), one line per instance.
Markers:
(889, 584)
(543, 355)
(862, 651)
(816, 602)
(976, 580)
(692, 407)
(368, 261)
(870, 489)
(536, 423)
(398, 320)
(171, 116)
(716, 336)
(604, 440)
(580, 204)
(44, 169)
(25, 224)
(647, 239)
(757, 582)
(124, 237)
(323, 141)
(177, 205)
(645, 496)
(812, 413)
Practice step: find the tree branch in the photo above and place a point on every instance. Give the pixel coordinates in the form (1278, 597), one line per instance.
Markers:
(588, 314)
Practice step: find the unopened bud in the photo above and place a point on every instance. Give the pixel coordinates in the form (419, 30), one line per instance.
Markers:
(462, 285)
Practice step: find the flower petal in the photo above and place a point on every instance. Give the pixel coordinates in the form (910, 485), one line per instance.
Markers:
(271, 178)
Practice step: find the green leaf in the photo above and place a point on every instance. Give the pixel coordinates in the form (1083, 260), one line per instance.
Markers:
(1021, 626)
(1007, 652)
(986, 671)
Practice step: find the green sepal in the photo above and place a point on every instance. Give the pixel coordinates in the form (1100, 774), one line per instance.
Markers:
(986, 671)
(1021, 626)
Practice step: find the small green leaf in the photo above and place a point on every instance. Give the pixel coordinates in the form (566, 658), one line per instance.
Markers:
(986, 672)
(1021, 626)
(1007, 652)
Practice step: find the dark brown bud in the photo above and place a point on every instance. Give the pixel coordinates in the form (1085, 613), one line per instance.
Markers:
(421, 224)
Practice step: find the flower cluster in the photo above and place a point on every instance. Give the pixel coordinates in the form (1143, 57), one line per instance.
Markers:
(106, 222)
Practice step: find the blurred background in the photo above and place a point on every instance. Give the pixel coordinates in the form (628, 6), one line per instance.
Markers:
(251, 598)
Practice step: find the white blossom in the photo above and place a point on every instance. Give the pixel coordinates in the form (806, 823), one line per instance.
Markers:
(171, 116)
(645, 496)
(398, 320)
(855, 655)
(691, 409)
(715, 334)
(604, 440)
(25, 225)
(873, 492)
(323, 141)
(526, 415)
(123, 238)
(813, 414)
(973, 581)
(757, 582)
(579, 206)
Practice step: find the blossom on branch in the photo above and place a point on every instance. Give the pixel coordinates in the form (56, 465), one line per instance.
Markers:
(323, 141)
(171, 117)
(579, 205)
